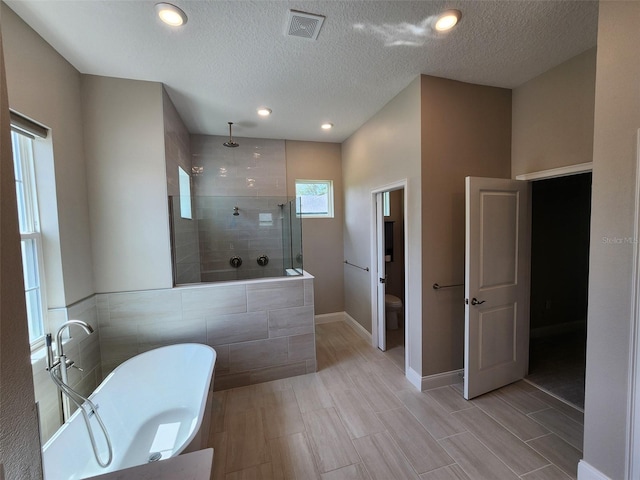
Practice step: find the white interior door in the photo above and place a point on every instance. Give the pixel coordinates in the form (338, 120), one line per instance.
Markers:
(381, 271)
(496, 283)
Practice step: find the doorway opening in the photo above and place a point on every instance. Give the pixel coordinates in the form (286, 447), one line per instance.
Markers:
(560, 230)
(389, 295)
(394, 267)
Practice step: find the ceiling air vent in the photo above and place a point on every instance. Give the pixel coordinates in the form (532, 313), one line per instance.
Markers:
(303, 25)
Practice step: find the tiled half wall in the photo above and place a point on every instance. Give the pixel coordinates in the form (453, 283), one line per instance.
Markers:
(262, 330)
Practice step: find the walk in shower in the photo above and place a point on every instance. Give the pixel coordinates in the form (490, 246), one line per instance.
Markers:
(223, 238)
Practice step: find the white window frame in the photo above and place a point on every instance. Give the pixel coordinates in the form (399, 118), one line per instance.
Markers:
(31, 231)
(330, 195)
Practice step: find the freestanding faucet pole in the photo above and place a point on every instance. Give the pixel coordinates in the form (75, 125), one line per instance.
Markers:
(65, 363)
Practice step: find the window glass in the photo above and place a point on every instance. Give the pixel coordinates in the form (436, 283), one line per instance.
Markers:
(185, 193)
(316, 197)
(31, 239)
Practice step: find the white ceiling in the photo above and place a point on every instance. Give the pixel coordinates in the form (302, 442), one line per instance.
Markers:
(232, 56)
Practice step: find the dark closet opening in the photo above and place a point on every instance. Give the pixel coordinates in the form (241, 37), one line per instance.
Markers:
(560, 229)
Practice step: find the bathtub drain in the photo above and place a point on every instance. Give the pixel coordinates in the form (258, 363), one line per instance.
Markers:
(154, 457)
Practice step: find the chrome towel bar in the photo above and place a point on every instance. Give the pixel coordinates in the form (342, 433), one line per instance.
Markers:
(366, 269)
(438, 287)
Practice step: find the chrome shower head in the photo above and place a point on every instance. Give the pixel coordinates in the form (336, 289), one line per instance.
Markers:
(231, 143)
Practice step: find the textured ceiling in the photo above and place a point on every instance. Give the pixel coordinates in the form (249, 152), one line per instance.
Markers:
(232, 56)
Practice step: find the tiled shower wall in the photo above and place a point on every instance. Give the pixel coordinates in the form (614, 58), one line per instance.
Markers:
(261, 329)
(253, 178)
(83, 349)
(224, 235)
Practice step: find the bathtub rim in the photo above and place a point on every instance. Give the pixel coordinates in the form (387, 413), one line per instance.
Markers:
(203, 402)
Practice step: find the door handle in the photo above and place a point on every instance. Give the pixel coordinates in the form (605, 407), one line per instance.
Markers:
(475, 301)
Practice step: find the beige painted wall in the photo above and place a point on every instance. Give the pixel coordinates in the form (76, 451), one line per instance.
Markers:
(384, 150)
(466, 131)
(617, 119)
(553, 117)
(45, 87)
(19, 443)
(321, 237)
(126, 172)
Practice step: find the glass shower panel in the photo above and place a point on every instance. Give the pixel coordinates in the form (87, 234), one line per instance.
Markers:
(236, 238)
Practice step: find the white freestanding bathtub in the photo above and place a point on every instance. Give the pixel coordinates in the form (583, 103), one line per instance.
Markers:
(156, 402)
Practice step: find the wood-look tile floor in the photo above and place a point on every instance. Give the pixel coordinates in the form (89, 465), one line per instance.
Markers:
(358, 418)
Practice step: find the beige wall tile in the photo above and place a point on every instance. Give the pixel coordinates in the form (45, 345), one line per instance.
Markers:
(275, 295)
(203, 302)
(232, 380)
(302, 347)
(308, 292)
(222, 359)
(311, 366)
(278, 372)
(257, 354)
(235, 328)
(169, 333)
(291, 321)
(149, 306)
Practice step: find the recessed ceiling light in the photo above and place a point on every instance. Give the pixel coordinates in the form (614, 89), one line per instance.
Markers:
(170, 14)
(447, 20)
(326, 126)
(264, 111)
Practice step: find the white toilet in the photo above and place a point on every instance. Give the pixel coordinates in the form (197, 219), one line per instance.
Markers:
(392, 306)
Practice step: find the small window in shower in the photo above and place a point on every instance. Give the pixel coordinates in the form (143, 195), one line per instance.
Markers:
(185, 193)
(316, 198)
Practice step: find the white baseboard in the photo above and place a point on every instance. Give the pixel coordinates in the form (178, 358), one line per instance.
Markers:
(360, 330)
(441, 379)
(329, 317)
(587, 472)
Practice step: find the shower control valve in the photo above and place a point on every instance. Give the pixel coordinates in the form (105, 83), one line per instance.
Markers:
(235, 261)
(263, 260)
